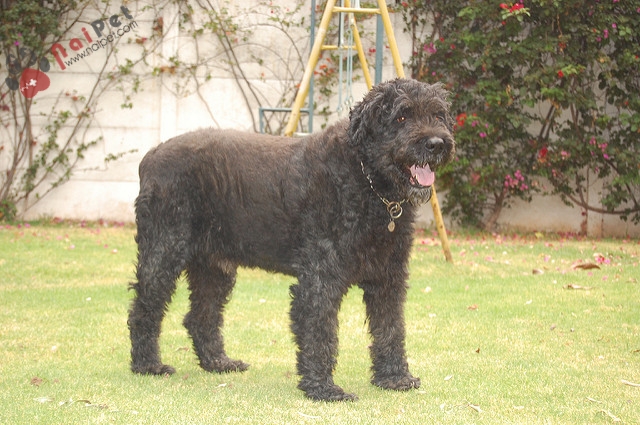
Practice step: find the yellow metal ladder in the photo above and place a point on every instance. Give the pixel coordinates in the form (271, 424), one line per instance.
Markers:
(314, 57)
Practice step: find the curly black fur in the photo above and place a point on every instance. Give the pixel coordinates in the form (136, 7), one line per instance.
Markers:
(212, 200)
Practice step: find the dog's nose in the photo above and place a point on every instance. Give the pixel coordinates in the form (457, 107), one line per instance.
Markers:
(434, 144)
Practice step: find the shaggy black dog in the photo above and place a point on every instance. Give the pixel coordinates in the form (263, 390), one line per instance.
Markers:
(333, 209)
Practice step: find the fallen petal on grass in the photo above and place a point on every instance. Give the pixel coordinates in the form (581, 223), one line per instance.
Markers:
(304, 415)
(36, 381)
(572, 286)
(585, 266)
(474, 407)
(611, 416)
(98, 406)
(631, 384)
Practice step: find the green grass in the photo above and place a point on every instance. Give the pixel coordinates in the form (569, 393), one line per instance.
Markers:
(493, 342)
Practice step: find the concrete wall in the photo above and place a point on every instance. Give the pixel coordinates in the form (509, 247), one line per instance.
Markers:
(548, 214)
(100, 190)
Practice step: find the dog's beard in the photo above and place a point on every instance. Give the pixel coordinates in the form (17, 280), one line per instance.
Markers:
(418, 196)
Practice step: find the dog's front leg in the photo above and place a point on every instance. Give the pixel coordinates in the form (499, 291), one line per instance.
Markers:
(385, 313)
(314, 322)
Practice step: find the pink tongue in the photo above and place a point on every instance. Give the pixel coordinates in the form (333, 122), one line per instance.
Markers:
(424, 176)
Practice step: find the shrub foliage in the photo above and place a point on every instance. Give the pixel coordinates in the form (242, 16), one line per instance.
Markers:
(545, 93)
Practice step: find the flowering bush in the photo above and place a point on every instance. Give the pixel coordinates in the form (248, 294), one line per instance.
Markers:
(543, 91)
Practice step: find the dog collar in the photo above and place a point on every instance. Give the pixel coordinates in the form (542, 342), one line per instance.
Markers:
(393, 208)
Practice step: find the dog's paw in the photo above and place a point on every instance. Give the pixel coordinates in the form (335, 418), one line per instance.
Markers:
(153, 369)
(397, 383)
(327, 393)
(224, 365)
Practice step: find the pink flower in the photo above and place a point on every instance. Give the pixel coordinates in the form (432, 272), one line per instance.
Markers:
(429, 48)
(475, 178)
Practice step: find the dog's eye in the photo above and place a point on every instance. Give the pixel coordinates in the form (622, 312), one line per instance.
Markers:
(440, 118)
(401, 118)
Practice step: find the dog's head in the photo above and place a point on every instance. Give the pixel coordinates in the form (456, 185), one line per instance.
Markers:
(403, 132)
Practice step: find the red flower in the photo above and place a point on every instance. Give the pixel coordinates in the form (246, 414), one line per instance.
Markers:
(461, 118)
(503, 6)
(560, 74)
(542, 154)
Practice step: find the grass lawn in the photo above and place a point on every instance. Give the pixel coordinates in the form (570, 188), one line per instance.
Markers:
(517, 331)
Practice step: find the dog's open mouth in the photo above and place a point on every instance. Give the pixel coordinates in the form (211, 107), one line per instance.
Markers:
(421, 177)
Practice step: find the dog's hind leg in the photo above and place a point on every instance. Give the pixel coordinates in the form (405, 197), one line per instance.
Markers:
(385, 313)
(314, 322)
(163, 242)
(157, 271)
(211, 284)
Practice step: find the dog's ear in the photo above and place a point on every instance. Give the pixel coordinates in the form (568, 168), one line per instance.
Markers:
(366, 112)
(357, 125)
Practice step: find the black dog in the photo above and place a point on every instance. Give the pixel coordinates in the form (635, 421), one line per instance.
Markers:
(333, 209)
